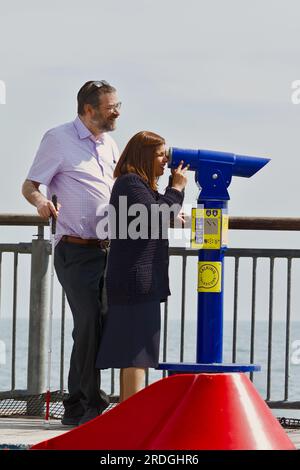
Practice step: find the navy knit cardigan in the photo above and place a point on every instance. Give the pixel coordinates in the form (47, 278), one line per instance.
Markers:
(138, 269)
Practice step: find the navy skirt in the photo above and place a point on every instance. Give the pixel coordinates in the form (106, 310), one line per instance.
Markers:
(131, 336)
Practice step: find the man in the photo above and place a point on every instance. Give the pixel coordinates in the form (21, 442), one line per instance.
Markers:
(76, 162)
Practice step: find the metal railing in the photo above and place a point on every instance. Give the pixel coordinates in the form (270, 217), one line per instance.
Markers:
(39, 250)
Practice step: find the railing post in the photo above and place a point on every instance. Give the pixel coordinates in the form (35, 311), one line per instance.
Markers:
(38, 315)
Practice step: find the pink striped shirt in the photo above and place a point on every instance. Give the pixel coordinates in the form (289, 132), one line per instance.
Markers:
(79, 170)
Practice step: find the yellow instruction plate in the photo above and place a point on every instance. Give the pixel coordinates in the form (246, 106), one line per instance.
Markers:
(212, 229)
(197, 233)
(225, 223)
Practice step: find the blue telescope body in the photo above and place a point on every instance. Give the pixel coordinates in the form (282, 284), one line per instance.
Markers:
(214, 169)
(242, 165)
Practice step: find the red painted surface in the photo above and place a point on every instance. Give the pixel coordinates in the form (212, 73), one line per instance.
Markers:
(192, 411)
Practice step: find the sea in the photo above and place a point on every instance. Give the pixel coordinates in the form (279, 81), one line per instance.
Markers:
(173, 355)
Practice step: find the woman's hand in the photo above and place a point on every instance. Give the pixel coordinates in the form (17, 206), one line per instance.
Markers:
(179, 179)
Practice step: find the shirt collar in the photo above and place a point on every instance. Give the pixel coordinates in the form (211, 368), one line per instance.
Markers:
(83, 131)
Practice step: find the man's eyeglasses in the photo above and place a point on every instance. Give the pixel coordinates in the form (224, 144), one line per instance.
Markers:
(100, 83)
(93, 86)
(114, 107)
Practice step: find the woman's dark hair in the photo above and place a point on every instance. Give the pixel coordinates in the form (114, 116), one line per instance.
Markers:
(138, 157)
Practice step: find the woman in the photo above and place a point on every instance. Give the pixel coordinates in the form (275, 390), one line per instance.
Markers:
(137, 272)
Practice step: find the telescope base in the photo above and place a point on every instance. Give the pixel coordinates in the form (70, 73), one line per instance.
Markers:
(196, 368)
(183, 412)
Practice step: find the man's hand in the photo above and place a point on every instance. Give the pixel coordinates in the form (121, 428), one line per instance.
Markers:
(46, 209)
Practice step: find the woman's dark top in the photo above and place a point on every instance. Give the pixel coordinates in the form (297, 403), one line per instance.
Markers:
(138, 268)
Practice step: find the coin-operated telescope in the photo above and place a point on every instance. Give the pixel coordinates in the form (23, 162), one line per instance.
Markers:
(213, 174)
(214, 170)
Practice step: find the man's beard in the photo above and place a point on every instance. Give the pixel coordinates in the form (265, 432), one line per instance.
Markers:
(104, 125)
(108, 125)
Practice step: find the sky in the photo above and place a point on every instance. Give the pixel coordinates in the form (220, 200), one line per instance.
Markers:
(213, 75)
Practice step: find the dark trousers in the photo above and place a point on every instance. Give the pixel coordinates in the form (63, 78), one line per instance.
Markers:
(80, 270)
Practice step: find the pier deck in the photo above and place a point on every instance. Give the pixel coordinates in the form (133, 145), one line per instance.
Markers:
(26, 431)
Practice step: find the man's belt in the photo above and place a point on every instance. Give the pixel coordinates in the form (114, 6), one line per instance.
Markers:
(86, 241)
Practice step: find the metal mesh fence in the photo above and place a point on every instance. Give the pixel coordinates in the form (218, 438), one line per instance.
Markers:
(291, 423)
(23, 404)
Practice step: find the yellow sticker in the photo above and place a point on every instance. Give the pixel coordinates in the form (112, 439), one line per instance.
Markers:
(209, 276)
(197, 232)
(225, 223)
(212, 229)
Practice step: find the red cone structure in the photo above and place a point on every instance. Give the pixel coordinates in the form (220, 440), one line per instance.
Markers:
(195, 412)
